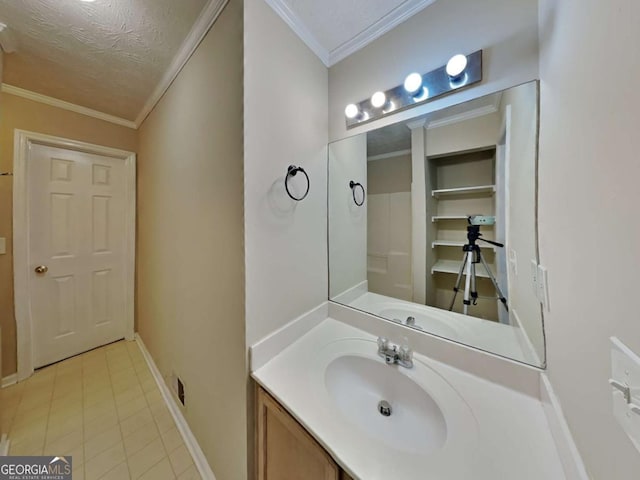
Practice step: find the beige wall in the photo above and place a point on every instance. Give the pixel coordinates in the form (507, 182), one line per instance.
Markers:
(190, 268)
(285, 102)
(588, 213)
(19, 113)
(389, 175)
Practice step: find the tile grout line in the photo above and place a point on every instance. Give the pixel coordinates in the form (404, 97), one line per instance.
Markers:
(146, 401)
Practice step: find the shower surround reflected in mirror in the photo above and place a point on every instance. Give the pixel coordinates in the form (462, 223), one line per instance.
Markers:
(432, 185)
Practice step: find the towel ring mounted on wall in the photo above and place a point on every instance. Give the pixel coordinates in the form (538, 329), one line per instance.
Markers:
(292, 170)
(354, 185)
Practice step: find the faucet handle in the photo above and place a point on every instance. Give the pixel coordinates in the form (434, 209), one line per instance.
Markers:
(383, 343)
(405, 352)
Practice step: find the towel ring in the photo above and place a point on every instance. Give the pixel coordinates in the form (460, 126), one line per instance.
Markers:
(292, 170)
(354, 185)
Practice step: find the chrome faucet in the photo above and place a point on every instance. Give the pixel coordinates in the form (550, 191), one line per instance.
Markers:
(394, 355)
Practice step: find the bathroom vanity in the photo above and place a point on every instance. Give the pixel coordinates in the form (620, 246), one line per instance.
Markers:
(286, 450)
(426, 362)
(319, 408)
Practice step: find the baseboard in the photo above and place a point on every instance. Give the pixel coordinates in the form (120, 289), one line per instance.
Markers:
(190, 441)
(4, 446)
(570, 458)
(9, 380)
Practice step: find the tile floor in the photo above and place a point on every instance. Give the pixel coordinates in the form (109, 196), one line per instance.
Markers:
(105, 410)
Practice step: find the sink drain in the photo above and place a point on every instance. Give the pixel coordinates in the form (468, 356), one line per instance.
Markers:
(384, 408)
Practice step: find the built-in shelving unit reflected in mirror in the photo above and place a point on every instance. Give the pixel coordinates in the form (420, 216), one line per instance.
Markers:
(468, 175)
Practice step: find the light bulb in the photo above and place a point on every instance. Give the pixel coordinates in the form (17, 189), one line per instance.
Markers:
(351, 111)
(456, 65)
(412, 83)
(378, 99)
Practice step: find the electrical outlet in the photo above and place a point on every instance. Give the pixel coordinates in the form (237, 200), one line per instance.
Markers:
(543, 287)
(513, 261)
(534, 278)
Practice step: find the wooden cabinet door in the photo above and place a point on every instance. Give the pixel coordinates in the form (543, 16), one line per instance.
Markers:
(285, 450)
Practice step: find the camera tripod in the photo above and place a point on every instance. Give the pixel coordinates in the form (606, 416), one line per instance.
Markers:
(473, 256)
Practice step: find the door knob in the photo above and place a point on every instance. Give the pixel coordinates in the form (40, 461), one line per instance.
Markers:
(41, 269)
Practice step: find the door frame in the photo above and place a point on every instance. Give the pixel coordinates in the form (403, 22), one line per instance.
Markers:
(22, 142)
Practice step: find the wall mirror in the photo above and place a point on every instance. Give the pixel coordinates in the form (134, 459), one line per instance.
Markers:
(411, 207)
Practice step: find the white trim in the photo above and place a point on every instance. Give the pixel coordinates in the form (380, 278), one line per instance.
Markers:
(190, 441)
(525, 342)
(300, 29)
(72, 107)
(9, 380)
(461, 117)
(419, 123)
(264, 350)
(22, 141)
(359, 41)
(570, 458)
(205, 21)
(4, 445)
(384, 156)
(394, 18)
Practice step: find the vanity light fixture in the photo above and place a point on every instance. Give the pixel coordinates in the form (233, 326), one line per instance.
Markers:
(456, 66)
(461, 71)
(413, 83)
(351, 111)
(378, 99)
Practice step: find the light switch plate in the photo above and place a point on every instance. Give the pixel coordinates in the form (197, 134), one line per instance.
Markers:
(543, 287)
(3, 245)
(625, 369)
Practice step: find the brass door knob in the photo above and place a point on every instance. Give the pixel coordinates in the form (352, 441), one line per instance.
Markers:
(41, 269)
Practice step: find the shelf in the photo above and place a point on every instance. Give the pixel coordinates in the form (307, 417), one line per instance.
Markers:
(460, 244)
(491, 189)
(439, 218)
(453, 266)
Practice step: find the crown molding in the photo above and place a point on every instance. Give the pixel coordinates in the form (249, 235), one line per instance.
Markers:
(394, 18)
(461, 117)
(72, 107)
(205, 21)
(419, 123)
(300, 29)
(362, 39)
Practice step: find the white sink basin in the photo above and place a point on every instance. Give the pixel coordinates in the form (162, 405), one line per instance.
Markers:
(357, 384)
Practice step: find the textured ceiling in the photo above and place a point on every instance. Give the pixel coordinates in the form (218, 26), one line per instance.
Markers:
(107, 55)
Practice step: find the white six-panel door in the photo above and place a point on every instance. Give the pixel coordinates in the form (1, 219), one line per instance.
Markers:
(76, 215)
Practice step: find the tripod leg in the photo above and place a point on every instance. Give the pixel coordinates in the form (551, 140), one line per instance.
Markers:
(456, 287)
(474, 290)
(467, 283)
(501, 297)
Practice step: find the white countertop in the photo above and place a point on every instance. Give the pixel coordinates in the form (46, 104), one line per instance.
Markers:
(500, 434)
